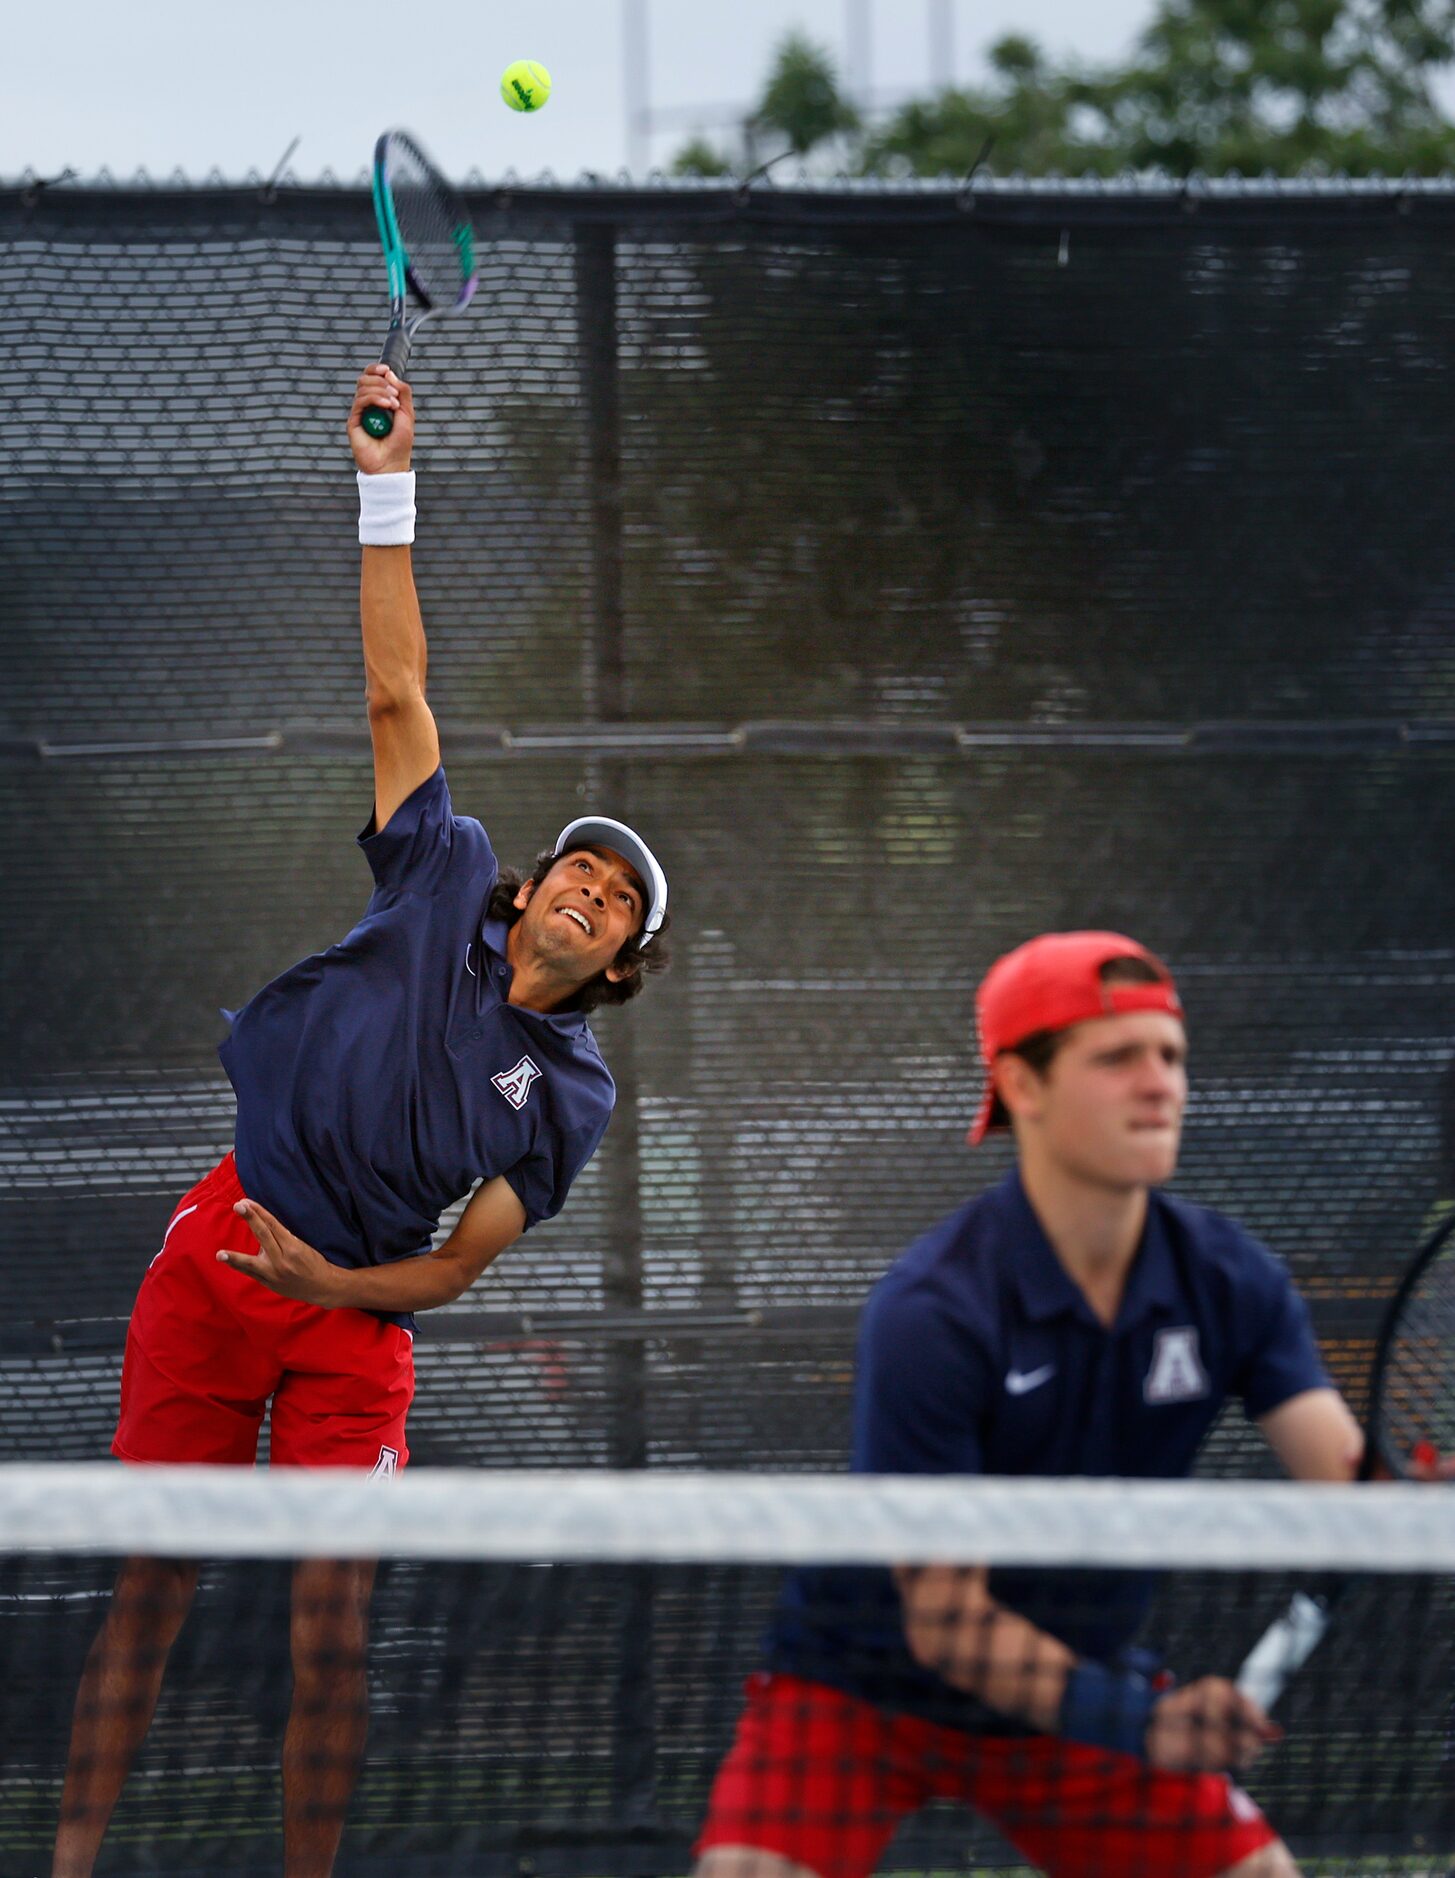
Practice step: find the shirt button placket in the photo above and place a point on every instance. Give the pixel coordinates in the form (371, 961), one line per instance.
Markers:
(1096, 1440)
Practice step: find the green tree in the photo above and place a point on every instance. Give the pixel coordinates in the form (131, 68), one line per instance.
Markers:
(1030, 117)
(802, 102)
(802, 109)
(1254, 86)
(1284, 85)
(699, 158)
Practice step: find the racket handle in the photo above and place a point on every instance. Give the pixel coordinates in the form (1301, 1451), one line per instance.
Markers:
(1283, 1649)
(395, 355)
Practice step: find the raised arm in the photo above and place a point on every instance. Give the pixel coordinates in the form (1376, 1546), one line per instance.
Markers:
(401, 724)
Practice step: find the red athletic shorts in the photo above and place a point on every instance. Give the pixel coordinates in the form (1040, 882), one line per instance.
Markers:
(207, 1348)
(824, 1779)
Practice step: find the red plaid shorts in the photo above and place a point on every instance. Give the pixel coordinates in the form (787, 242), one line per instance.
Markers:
(824, 1778)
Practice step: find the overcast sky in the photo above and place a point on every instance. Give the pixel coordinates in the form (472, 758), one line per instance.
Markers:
(202, 85)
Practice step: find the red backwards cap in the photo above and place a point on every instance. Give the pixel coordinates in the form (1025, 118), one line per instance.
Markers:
(1051, 983)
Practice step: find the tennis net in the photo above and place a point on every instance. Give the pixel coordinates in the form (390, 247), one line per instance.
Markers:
(557, 1661)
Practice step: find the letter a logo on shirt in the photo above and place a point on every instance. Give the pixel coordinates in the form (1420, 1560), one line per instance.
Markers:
(515, 1084)
(1177, 1374)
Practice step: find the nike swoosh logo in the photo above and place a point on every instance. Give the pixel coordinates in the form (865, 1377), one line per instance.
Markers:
(1022, 1381)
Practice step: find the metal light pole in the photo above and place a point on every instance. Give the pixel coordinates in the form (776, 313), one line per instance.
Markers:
(942, 44)
(858, 50)
(636, 86)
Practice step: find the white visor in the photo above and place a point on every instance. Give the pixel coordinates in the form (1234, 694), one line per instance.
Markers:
(599, 831)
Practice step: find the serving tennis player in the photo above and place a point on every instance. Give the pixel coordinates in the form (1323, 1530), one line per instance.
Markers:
(443, 1043)
(1070, 1321)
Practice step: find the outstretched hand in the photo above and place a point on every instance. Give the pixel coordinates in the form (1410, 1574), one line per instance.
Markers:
(378, 456)
(283, 1262)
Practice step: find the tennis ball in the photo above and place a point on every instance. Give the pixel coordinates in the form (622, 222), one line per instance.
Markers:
(525, 86)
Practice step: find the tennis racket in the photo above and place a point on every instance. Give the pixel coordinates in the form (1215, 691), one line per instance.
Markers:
(1409, 1428)
(429, 250)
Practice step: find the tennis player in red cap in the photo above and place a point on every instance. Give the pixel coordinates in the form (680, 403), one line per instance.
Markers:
(1072, 1320)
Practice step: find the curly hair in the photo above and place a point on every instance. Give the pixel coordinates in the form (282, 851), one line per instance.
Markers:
(634, 958)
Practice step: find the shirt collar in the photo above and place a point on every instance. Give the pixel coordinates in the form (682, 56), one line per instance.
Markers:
(1046, 1288)
(1153, 1282)
(494, 933)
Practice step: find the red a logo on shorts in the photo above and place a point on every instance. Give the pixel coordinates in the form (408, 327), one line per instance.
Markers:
(515, 1084)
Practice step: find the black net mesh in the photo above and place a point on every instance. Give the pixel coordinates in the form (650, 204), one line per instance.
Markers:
(916, 575)
(568, 1720)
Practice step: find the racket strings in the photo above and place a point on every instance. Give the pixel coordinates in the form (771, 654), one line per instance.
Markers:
(1418, 1410)
(433, 227)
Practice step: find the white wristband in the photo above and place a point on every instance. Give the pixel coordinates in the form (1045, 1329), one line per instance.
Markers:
(386, 509)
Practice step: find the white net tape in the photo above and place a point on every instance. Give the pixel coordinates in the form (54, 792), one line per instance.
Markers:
(215, 1512)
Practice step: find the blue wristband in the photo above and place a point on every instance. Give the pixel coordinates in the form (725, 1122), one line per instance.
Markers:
(1106, 1710)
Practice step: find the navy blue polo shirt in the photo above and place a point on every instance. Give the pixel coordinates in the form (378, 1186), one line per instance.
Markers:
(978, 1354)
(378, 1081)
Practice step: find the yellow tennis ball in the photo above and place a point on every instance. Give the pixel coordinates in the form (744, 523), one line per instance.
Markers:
(525, 86)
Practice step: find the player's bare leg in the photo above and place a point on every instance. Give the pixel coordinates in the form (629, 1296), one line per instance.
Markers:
(116, 1701)
(329, 1718)
(1274, 1861)
(746, 1861)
